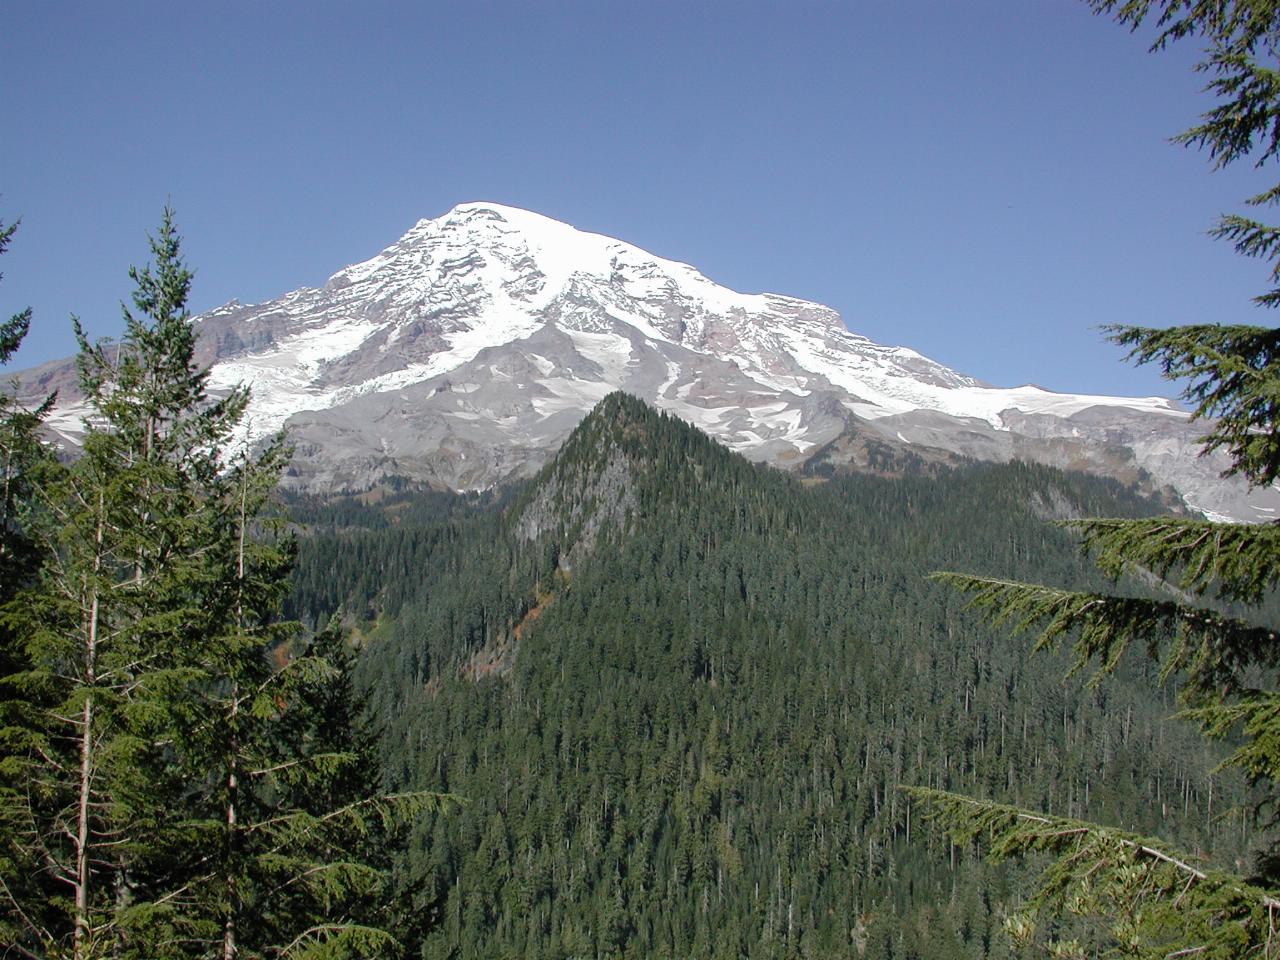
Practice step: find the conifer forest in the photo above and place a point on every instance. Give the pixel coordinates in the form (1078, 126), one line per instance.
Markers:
(655, 701)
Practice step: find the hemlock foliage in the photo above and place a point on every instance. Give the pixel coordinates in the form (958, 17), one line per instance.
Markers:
(177, 784)
(1210, 628)
(23, 461)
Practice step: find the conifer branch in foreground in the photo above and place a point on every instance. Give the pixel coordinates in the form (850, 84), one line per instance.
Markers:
(1153, 902)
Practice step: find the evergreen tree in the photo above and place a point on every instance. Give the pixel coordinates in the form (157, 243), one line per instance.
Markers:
(21, 454)
(13, 330)
(167, 800)
(24, 461)
(123, 531)
(1209, 627)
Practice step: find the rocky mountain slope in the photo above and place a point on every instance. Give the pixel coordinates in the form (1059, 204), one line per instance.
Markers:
(465, 352)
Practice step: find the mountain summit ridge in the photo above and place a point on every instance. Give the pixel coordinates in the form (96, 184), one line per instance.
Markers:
(465, 352)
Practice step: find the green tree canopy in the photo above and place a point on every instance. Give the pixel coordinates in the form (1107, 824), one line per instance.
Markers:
(178, 784)
(1196, 592)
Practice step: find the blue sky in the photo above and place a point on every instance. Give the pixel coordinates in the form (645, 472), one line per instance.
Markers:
(984, 181)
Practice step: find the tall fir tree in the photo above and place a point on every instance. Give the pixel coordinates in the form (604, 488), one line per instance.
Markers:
(124, 531)
(21, 453)
(24, 464)
(165, 793)
(1146, 899)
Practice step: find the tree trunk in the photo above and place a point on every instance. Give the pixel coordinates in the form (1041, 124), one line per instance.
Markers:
(233, 785)
(229, 924)
(84, 874)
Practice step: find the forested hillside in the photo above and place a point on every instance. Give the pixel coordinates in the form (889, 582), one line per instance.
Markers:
(678, 694)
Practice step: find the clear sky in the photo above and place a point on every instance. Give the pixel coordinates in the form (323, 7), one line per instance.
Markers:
(985, 181)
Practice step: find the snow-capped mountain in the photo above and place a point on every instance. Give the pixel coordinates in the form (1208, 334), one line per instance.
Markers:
(466, 351)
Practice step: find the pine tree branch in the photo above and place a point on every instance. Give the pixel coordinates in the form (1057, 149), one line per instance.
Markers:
(1234, 376)
(314, 760)
(1132, 883)
(412, 802)
(1235, 560)
(30, 924)
(367, 941)
(1210, 650)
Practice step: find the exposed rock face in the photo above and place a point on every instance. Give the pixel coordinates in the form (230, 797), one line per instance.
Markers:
(465, 353)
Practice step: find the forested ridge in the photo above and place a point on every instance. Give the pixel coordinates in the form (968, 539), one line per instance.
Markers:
(679, 694)
(656, 701)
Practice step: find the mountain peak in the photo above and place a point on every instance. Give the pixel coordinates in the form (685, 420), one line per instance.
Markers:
(484, 219)
(516, 216)
(623, 460)
(466, 351)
